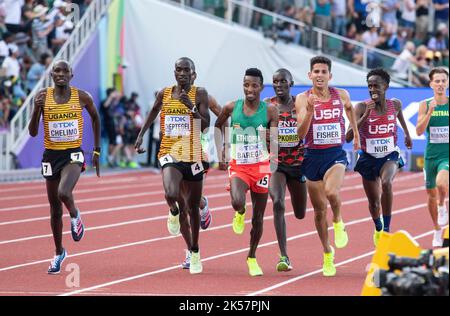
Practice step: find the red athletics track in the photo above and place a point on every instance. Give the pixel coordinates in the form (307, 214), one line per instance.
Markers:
(128, 251)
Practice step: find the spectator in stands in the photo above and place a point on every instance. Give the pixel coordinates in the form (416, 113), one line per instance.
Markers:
(37, 71)
(82, 4)
(63, 29)
(322, 15)
(4, 112)
(260, 20)
(3, 28)
(107, 110)
(358, 13)
(441, 12)
(13, 9)
(245, 14)
(11, 63)
(8, 38)
(404, 61)
(40, 30)
(422, 20)
(437, 43)
(389, 20)
(131, 123)
(372, 39)
(352, 52)
(389, 42)
(420, 71)
(288, 31)
(339, 14)
(408, 18)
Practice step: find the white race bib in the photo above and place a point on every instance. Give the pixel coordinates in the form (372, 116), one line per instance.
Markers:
(439, 134)
(47, 169)
(249, 153)
(264, 182)
(77, 157)
(380, 147)
(165, 160)
(197, 168)
(64, 131)
(327, 134)
(287, 137)
(177, 125)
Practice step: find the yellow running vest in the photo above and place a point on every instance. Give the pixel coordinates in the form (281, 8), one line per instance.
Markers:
(180, 132)
(63, 123)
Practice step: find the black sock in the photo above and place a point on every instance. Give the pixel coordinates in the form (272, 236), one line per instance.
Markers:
(174, 212)
(194, 249)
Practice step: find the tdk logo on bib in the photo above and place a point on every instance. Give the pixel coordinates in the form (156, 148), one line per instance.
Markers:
(69, 124)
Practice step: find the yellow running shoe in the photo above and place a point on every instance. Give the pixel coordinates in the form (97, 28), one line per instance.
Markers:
(173, 222)
(376, 237)
(196, 263)
(328, 264)
(340, 235)
(253, 267)
(284, 264)
(238, 223)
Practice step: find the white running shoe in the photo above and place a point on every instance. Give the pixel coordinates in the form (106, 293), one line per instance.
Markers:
(442, 215)
(196, 263)
(437, 238)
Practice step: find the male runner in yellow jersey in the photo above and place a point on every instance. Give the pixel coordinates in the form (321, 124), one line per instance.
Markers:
(184, 115)
(61, 108)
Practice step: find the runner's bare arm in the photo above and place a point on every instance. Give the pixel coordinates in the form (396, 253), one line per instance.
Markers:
(88, 103)
(214, 105)
(361, 113)
(305, 110)
(39, 102)
(401, 119)
(273, 114)
(351, 117)
(218, 131)
(203, 109)
(424, 116)
(149, 120)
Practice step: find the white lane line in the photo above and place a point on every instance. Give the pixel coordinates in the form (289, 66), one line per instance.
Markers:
(20, 187)
(142, 184)
(224, 207)
(153, 239)
(303, 276)
(366, 219)
(354, 187)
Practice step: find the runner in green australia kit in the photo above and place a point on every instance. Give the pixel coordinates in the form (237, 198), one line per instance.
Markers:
(433, 118)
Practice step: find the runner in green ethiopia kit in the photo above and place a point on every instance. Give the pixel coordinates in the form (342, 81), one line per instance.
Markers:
(249, 168)
(433, 118)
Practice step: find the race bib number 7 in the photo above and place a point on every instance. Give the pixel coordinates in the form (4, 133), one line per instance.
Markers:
(47, 169)
(77, 157)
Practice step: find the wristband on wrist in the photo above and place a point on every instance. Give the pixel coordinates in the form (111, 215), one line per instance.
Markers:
(97, 151)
